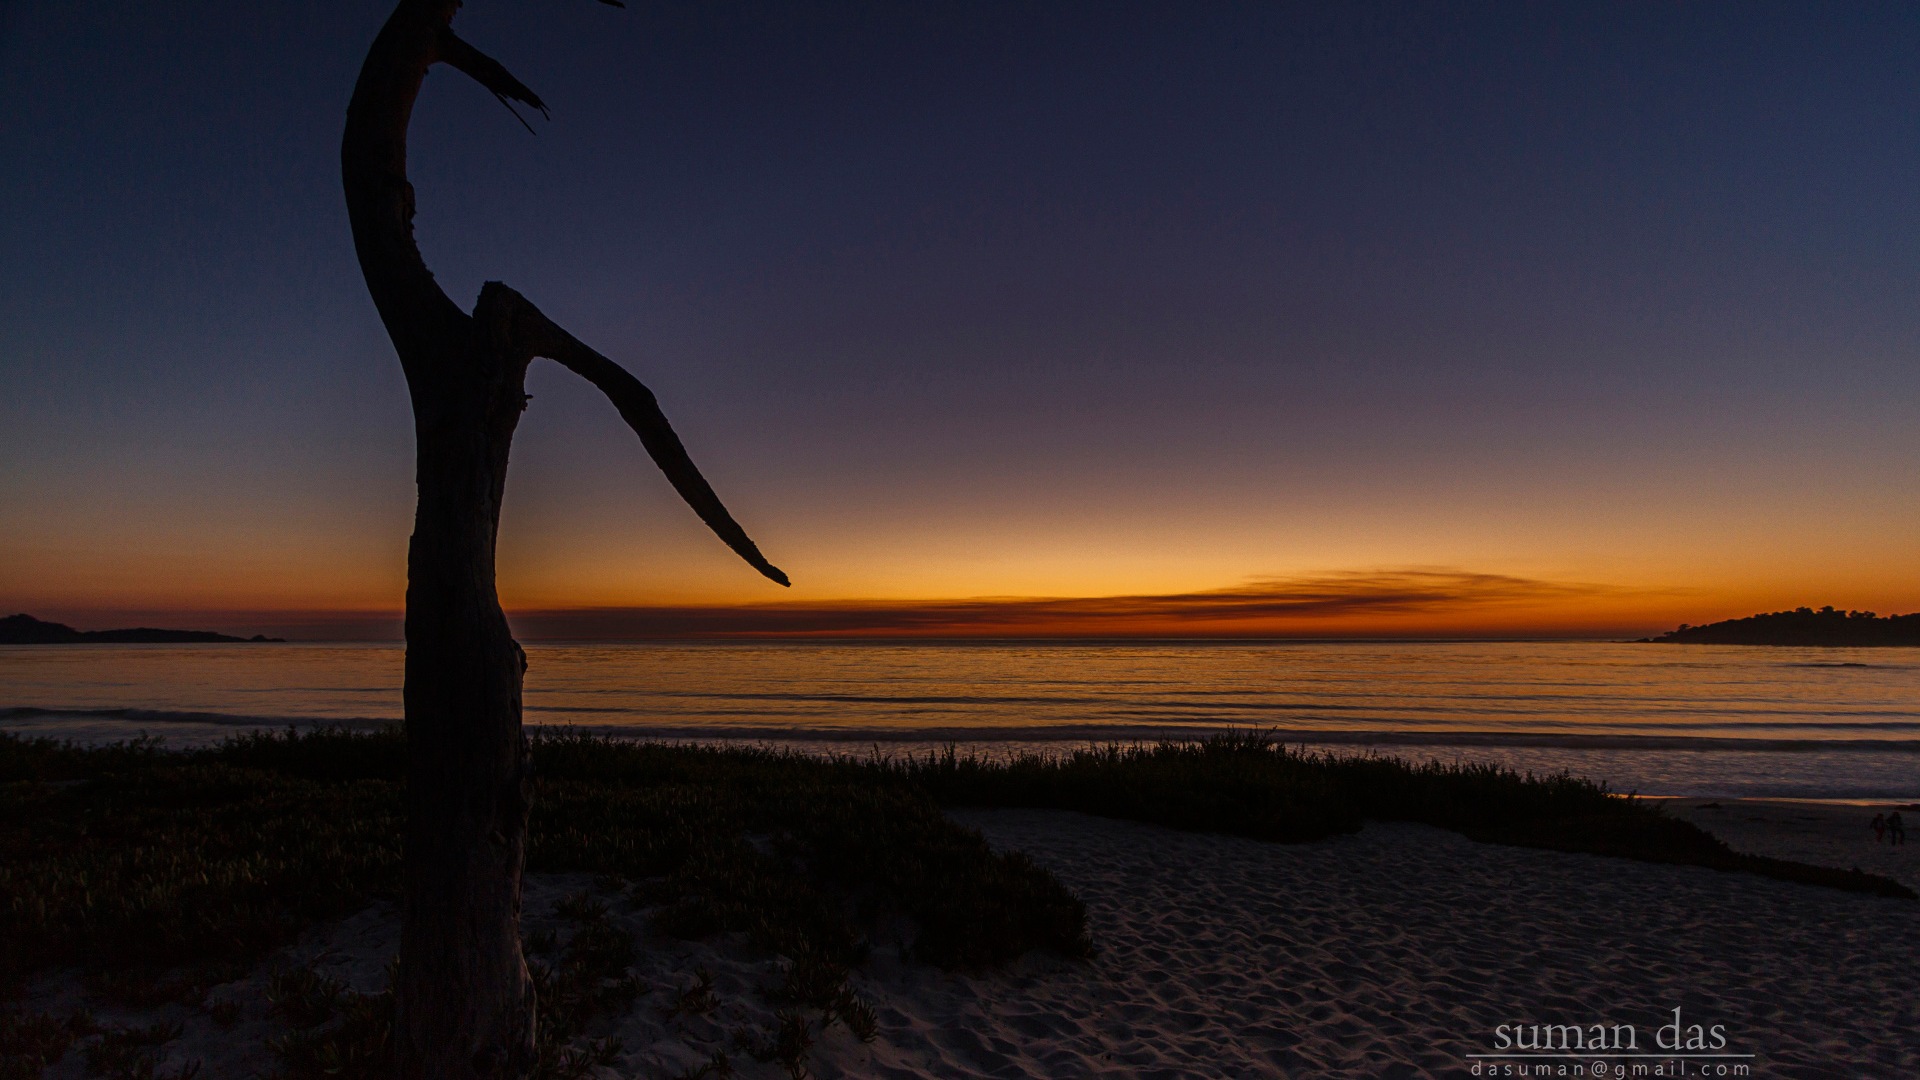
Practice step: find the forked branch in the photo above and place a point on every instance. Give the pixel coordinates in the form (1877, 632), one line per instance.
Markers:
(489, 73)
(538, 335)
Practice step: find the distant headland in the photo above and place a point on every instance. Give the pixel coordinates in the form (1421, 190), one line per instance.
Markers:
(1801, 626)
(27, 630)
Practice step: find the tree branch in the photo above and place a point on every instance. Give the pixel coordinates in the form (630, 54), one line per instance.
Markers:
(541, 336)
(489, 73)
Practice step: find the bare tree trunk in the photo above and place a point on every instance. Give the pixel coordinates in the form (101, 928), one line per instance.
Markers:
(465, 996)
(466, 1003)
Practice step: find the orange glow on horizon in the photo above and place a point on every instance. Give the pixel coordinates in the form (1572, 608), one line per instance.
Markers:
(1403, 603)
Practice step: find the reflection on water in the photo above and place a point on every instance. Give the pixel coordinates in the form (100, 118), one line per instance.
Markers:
(1664, 718)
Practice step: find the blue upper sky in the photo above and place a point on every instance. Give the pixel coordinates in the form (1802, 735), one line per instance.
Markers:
(973, 298)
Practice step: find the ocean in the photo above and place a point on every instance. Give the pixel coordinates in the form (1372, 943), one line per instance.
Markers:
(1723, 721)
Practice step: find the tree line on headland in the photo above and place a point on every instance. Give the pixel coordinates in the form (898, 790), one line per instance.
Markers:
(27, 630)
(1801, 626)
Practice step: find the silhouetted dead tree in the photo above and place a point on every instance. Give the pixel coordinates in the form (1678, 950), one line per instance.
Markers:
(465, 999)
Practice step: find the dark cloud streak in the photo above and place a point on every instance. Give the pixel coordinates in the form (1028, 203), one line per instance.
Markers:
(1267, 607)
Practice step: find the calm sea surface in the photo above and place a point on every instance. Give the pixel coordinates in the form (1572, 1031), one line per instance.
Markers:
(1659, 719)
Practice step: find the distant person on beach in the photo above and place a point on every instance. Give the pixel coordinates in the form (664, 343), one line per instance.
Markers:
(1879, 827)
(1896, 829)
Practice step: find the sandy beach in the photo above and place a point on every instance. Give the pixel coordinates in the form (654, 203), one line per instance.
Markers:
(1396, 952)
(1824, 834)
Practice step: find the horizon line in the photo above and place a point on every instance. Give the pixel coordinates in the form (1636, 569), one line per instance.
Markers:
(1398, 604)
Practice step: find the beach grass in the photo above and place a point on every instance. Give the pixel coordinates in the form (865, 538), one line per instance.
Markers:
(158, 874)
(1248, 784)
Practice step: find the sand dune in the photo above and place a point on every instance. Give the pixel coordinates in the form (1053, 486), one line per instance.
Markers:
(1395, 952)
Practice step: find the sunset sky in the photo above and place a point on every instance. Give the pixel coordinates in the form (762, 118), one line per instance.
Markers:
(1061, 318)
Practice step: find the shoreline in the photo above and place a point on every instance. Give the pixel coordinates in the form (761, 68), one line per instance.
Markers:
(1837, 835)
(126, 721)
(1900, 804)
(1859, 772)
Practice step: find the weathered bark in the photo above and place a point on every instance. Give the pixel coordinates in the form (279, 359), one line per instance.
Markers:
(466, 1007)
